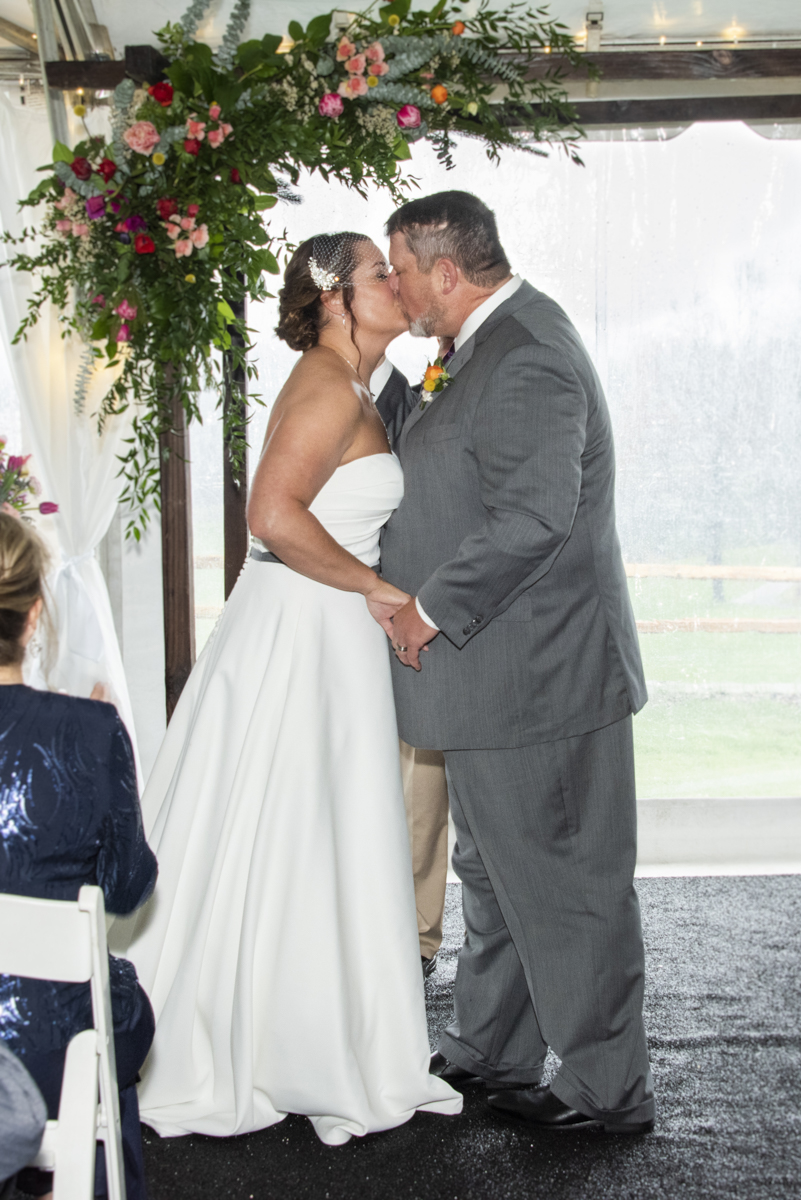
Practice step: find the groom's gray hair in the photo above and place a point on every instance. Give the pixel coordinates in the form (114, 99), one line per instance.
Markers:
(454, 225)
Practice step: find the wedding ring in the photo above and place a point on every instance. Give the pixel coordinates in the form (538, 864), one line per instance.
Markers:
(401, 649)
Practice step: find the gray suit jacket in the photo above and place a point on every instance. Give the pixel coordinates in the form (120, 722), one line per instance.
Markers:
(394, 403)
(507, 534)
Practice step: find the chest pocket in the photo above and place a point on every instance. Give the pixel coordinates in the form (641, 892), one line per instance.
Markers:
(442, 433)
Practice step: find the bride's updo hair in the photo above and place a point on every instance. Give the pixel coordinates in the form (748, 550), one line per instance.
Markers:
(23, 562)
(301, 313)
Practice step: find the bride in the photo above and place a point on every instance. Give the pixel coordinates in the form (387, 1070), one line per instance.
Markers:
(280, 950)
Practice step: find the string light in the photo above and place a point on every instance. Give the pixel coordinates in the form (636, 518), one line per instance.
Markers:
(662, 40)
(699, 43)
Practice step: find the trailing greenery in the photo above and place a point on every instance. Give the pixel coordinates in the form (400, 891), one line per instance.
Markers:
(152, 240)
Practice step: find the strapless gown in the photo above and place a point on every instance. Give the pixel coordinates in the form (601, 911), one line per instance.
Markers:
(280, 948)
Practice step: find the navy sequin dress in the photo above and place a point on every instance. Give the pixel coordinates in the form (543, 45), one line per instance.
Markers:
(69, 815)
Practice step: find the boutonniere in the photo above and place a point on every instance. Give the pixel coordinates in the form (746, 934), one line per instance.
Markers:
(436, 379)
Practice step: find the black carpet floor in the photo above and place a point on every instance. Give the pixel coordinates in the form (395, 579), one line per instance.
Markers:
(722, 1011)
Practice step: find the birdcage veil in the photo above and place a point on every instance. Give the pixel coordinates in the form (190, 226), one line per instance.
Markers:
(335, 261)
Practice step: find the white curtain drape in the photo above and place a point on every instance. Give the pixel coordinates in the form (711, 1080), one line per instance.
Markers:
(77, 466)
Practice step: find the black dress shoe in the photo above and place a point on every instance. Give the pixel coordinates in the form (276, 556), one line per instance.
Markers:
(429, 965)
(541, 1107)
(457, 1077)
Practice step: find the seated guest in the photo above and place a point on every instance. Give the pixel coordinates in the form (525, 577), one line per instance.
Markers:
(69, 815)
(22, 1119)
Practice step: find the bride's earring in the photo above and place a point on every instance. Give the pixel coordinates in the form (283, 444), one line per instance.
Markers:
(343, 320)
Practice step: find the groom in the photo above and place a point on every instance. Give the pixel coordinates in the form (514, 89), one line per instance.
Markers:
(506, 541)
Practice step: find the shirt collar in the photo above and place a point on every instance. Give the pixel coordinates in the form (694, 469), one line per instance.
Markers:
(380, 377)
(479, 315)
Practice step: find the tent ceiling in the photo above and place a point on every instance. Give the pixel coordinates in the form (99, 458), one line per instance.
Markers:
(624, 20)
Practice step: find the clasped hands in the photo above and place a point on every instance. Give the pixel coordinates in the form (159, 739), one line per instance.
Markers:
(396, 613)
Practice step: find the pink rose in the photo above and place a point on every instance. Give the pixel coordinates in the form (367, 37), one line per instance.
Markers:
(173, 228)
(183, 248)
(214, 111)
(355, 86)
(63, 226)
(124, 334)
(379, 69)
(345, 49)
(69, 197)
(216, 138)
(409, 117)
(143, 137)
(374, 54)
(199, 237)
(195, 128)
(331, 106)
(356, 64)
(187, 223)
(227, 129)
(79, 229)
(126, 311)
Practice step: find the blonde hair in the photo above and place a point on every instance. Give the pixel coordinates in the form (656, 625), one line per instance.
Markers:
(23, 562)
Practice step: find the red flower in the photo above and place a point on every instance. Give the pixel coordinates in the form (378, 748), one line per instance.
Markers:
(162, 93)
(144, 244)
(192, 210)
(47, 507)
(166, 206)
(81, 168)
(235, 176)
(107, 169)
(192, 146)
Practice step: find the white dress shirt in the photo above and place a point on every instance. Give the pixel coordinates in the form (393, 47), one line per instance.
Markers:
(472, 324)
(380, 377)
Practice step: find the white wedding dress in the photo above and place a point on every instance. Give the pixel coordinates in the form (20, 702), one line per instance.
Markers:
(280, 948)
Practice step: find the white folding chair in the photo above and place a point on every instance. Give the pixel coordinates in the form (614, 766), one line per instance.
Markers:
(66, 941)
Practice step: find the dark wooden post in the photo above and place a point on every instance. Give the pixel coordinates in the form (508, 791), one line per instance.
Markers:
(177, 559)
(235, 481)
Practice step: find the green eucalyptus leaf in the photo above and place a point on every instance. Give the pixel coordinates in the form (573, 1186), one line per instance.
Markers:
(325, 65)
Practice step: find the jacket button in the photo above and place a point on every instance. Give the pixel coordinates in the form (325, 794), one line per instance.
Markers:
(467, 629)
(476, 620)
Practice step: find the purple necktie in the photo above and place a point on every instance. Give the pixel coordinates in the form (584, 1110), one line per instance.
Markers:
(448, 355)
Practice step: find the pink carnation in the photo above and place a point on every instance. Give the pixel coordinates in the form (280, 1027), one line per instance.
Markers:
(183, 248)
(64, 226)
(187, 223)
(409, 117)
(214, 111)
(126, 311)
(173, 227)
(355, 86)
(345, 49)
(374, 54)
(199, 237)
(143, 137)
(195, 128)
(356, 64)
(216, 138)
(379, 68)
(331, 106)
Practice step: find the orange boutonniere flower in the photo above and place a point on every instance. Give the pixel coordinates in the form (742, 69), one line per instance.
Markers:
(435, 379)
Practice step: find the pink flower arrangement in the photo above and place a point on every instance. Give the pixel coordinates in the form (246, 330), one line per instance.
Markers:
(331, 106)
(143, 137)
(68, 198)
(79, 229)
(17, 483)
(356, 64)
(409, 117)
(187, 223)
(379, 68)
(64, 226)
(195, 129)
(374, 53)
(199, 237)
(183, 248)
(355, 86)
(126, 311)
(345, 49)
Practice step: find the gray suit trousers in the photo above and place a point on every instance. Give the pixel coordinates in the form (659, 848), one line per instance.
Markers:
(546, 848)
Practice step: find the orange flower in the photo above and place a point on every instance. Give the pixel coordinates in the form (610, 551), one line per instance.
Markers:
(439, 94)
(434, 371)
(458, 28)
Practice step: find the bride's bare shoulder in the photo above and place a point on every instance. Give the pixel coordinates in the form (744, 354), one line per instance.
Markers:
(320, 378)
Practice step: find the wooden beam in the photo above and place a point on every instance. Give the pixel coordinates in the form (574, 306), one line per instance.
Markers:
(176, 552)
(144, 64)
(663, 64)
(235, 483)
(18, 36)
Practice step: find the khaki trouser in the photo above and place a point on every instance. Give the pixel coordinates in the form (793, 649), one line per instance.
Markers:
(425, 792)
